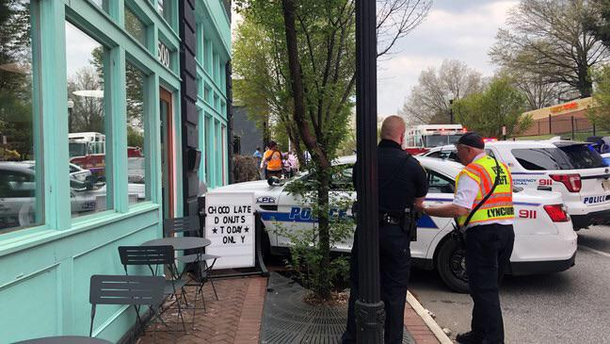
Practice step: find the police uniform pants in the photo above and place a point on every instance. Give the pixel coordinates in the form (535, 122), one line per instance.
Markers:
(395, 265)
(488, 250)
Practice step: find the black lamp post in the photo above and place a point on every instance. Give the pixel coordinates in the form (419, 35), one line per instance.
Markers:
(450, 111)
(70, 107)
(369, 308)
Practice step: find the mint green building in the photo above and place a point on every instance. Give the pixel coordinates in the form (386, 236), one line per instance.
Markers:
(112, 112)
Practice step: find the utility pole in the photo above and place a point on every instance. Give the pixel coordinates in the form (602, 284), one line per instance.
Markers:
(369, 308)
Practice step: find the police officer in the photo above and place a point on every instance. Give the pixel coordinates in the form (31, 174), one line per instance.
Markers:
(489, 233)
(402, 186)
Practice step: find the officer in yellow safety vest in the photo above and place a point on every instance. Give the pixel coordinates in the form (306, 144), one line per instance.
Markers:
(489, 233)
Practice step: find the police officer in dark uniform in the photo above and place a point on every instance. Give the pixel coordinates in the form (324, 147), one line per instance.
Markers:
(402, 186)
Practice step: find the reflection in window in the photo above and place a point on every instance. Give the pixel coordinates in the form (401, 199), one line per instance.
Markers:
(165, 9)
(103, 4)
(135, 26)
(86, 123)
(223, 135)
(21, 192)
(208, 149)
(439, 184)
(136, 175)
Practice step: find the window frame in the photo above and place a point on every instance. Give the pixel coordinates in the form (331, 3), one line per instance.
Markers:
(109, 120)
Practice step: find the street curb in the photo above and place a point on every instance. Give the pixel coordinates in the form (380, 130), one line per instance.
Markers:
(425, 316)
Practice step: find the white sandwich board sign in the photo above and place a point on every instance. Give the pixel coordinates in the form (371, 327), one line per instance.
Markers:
(229, 225)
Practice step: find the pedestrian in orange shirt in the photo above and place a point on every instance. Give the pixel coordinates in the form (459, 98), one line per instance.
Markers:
(273, 161)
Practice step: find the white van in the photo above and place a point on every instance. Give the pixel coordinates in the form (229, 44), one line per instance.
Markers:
(574, 169)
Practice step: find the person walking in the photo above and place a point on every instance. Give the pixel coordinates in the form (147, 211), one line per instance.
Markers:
(258, 155)
(483, 208)
(273, 161)
(402, 188)
(292, 163)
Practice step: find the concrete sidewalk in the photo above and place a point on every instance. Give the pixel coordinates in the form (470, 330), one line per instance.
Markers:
(242, 312)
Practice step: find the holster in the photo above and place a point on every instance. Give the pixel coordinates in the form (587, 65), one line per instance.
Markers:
(459, 234)
(409, 223)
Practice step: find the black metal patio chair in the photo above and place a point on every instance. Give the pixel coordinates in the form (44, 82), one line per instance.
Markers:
(153, 257)
(136, 291)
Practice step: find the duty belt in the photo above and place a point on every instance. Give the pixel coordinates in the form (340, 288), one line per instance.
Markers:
(386, 218)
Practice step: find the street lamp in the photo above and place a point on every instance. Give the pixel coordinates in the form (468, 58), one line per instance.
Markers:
(451, 97)
(450, 111)
(70, 107)
(369, 308)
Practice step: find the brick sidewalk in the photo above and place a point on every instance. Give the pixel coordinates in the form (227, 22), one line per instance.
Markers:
(236, 317)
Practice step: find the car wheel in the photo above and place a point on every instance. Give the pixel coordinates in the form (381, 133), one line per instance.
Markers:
(451, 265)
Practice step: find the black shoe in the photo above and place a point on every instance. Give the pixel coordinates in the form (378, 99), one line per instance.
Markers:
(469, 338)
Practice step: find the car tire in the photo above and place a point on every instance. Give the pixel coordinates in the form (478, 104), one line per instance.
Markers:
(265, 243)
(451, 265)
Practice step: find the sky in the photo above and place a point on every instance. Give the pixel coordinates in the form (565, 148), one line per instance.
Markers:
(454, 29)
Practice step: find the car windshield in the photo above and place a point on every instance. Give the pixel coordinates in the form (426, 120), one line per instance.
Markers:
(441, 140)
(562, 158)
(435, 140)
(77, 149)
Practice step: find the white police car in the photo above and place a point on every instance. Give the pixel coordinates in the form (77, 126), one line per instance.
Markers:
(545, 241)
(574, 169)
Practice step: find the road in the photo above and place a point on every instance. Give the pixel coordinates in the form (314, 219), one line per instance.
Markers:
(568, 307)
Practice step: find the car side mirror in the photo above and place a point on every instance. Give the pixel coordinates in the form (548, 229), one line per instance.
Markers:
(274, 181)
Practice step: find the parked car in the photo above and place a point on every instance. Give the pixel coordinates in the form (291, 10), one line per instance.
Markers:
(574, 169)
(18, 194)
(545, 241)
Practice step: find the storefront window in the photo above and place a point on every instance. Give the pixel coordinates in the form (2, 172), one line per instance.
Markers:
(21, 191)
(135, 26)
(223, 133)
(103, 4)
(165, 9)
(207, 94)
(86, 123)
(136, 163)
(208, 149)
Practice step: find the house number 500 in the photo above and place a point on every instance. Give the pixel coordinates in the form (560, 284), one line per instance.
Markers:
(163, 55)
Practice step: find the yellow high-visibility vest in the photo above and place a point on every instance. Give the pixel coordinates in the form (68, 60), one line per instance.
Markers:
(499, 205)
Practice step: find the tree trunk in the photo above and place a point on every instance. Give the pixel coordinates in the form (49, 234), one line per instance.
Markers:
(296, 83)
(585, 84)
(312, 143)
(324, 235)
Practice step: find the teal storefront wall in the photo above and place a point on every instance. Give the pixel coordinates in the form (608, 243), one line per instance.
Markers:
(213, 54)
(44, 284)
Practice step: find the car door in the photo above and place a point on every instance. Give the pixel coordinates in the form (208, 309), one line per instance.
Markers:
(440, 192)
(17, 202)
(294, 215)
(343, 196)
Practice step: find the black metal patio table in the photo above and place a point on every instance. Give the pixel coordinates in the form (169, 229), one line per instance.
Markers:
(183, 244)
(180, 243)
